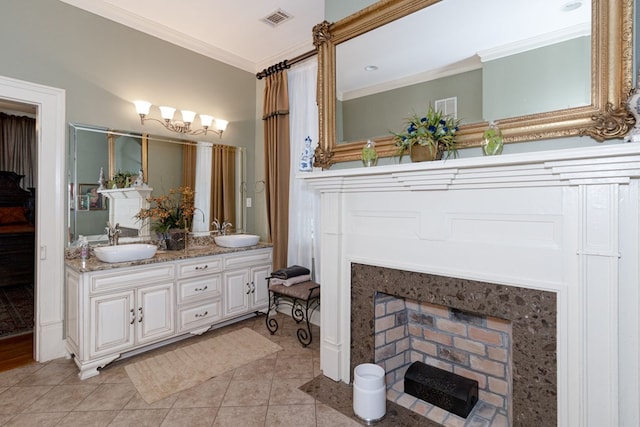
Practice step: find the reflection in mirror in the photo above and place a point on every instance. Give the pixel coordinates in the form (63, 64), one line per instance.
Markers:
(215, 171)
(541, 62)
(541, 69)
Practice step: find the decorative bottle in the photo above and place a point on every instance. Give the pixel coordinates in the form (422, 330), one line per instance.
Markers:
(493, 140)
(306, 159)
(369, 154)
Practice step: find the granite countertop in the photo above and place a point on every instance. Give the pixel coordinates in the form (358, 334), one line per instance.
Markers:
(92, 263)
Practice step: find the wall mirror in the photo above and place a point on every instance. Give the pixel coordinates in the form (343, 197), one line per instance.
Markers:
(566, 76)
(166, 163)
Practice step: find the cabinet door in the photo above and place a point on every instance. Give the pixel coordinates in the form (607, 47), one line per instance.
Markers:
(236, 292)
(111, 323)
(259, 288)
(154, 312)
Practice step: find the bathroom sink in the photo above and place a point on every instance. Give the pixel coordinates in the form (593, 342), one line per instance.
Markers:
(236, 240)
(125, 253)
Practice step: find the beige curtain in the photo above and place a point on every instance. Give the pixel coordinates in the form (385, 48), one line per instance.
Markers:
(18, 147)
(276, 154)
(189, 154)
(223, 177)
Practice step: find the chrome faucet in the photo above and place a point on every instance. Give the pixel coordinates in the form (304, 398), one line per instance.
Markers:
(225, 227)
(221, 229)
(113, 233)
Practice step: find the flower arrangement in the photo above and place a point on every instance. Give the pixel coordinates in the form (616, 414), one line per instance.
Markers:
(435, 130)
(170, 211)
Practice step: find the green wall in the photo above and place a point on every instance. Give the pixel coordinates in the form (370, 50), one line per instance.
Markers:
(546, 79)
(104, 66)
(377, 115)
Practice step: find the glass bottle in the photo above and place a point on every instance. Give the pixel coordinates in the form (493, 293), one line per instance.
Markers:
(493, 141)
(369, 154)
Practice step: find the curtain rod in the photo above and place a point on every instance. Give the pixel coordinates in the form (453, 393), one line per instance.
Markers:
(285, 65)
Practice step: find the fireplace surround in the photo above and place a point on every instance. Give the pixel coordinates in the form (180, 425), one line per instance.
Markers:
(532, 314)
(562, 222)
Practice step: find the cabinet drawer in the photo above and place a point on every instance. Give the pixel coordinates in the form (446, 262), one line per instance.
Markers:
(199, 315)
(201, 287)
(199, 267)
(247, 259)
(127, 277)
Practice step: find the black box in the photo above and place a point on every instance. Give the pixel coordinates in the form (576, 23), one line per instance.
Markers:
(444, 389)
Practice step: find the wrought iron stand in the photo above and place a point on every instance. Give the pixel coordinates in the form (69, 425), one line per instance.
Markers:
(304, 299)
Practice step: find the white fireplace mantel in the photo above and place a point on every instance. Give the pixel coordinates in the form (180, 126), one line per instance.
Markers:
(565, 221)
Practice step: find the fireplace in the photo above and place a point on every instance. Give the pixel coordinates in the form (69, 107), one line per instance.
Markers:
(532, 314)
(549, 241)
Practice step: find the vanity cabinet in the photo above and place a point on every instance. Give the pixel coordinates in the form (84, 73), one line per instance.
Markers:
(125, 309)
(245, 283)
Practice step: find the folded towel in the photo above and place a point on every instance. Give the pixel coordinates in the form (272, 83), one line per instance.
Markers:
(293, 271)
(290, 281)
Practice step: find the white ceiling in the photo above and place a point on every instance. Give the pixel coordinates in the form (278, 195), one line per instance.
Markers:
(231, 31)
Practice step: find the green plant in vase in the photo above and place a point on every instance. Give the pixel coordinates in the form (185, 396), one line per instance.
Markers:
(369, 154)
(435, 132)
(493, 140)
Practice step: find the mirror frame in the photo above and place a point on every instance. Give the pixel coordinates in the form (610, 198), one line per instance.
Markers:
(606, 117)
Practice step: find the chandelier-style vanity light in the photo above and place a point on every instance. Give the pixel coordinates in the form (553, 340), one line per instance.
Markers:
(184, 125)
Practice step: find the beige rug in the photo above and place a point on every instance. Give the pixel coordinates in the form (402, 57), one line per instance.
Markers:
(160, 376)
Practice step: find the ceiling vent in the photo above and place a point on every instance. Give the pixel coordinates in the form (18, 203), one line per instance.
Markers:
(278, 17)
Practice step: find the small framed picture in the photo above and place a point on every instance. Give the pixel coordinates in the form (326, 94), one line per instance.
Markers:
(89, 198)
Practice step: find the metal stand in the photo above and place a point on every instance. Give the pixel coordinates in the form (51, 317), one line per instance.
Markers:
(304, 299)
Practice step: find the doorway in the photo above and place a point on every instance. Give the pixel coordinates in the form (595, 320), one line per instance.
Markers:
(49, 103)
(18, 168)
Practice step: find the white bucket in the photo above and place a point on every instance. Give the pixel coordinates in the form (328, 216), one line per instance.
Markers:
(369, 392)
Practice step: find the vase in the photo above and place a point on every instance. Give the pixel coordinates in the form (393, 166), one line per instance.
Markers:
(369, 154)
(175, 240)
(424, 153)
(493, 141)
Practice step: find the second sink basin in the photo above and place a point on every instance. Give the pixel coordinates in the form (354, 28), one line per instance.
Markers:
(125, 253)
(236, 240)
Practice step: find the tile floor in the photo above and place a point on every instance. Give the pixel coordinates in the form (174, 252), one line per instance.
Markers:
(263, 393)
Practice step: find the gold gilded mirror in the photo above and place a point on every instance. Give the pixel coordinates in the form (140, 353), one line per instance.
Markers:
(602, 115)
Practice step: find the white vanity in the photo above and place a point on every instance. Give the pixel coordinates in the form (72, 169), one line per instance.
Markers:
(113, 309)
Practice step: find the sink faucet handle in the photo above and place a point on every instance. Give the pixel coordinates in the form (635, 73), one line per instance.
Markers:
(216, 224)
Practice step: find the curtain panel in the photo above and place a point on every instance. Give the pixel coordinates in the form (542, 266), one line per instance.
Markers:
(18, 147)
(223, 175)
(277, 158)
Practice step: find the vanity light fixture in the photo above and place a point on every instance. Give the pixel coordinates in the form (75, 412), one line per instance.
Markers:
(184, 125)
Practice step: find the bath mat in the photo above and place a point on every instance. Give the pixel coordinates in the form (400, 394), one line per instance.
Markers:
(160, 376)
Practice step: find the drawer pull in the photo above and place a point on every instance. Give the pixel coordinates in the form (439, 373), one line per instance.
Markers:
(202, 315)
(133, 316)
(253, 288)
(141, 315)
(202, 268)
(201, 289)
(248, 288)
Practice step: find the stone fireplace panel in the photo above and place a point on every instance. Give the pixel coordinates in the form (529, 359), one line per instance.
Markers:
(532, 314)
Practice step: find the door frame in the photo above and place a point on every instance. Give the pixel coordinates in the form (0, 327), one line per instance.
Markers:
(50, 227)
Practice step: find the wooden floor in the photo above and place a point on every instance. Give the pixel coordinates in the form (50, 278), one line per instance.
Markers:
(16, 352)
